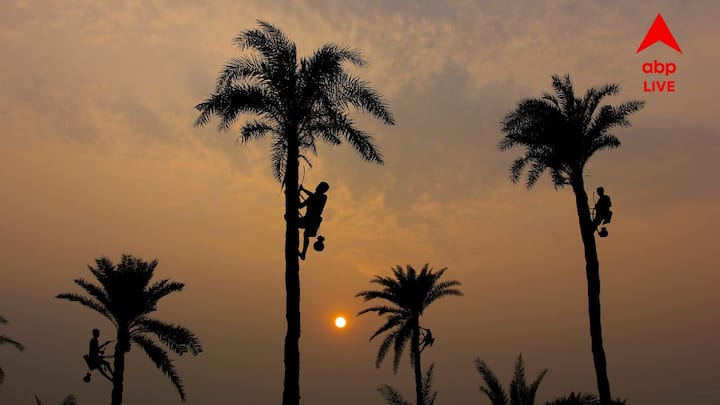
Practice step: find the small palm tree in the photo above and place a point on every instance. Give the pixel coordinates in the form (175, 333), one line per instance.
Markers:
(5, 340)
(296, 103)
(125, 297)
(560, 133)
(520, 392)
(394, 397)
(582, 399)
(407, 295)
(69, 400)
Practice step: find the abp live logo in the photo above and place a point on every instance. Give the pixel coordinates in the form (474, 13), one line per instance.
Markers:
(659, 32)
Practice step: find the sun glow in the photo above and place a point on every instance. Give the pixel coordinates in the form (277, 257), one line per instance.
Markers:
(340, 322)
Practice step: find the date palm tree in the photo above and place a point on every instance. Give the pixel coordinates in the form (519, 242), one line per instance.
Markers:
(125, 297)
(520, 392)
(560, 133)
(5, 340)
(69, 400)
(407, 293)
(295, 103)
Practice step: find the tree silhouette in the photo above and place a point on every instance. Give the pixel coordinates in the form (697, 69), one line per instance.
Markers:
(394, 397)
(125, 297)
(582, 399)
(520, 392)
(407, 294)
(5, 340)
(296, 103)
(69, 400)
(560, 133)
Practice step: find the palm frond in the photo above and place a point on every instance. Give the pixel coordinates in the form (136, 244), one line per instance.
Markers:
(5, 340)
(401, 338)
(575, 399)
(256, 130)
(161, 360)
(518, 385)
(392, 322)
(429, 396)
(162, 288)
(392, 396)
(177, 338)
(384, 347)
(360, 95)
(230, 101)
(246, 68)
(95, 291)
(492, 387)
(90, 303)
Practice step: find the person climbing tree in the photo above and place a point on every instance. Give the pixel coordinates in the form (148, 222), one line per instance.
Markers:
(314, 203)
(602, 210)
(96, 358)
(427, 340)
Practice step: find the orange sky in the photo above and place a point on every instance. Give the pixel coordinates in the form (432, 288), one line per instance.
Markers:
(100, 157)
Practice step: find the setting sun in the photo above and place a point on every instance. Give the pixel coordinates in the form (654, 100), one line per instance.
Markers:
(340, 322)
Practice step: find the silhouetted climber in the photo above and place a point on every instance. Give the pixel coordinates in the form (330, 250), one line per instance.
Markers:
(603, 215)
(314, 203)
(428, 339)
(95, 358)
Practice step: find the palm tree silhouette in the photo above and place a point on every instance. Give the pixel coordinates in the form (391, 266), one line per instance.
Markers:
(5, 340)
(582, 399)
(560, 134)
(125, 297)
(69, 400)
(407, 295)
(520, 392)
(297, 103)
(394, 397)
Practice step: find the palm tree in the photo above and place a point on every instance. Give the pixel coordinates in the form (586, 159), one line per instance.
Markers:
(394, 397)
(4, 340)
(520, 392)
(69, 400)
(582, 399)
(560, 133)
(125, 297)
(295, 102)
(407, 295)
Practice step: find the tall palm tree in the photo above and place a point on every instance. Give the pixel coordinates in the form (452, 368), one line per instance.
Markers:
(406, 294)
(125, 297)
(520, 392)
(5, 340)
(296, 103)
(560, 133)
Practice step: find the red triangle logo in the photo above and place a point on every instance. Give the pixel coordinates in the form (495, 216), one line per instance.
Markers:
(659, 31)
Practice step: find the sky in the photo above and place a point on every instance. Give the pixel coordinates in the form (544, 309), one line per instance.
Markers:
(100, 157)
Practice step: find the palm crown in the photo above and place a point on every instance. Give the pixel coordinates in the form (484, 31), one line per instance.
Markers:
(520, 392)
(408, 293)
(561, 132)
(125, 297)
(306, 98)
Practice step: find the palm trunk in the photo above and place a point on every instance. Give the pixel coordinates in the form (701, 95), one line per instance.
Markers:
(415, 347)
(291, 385)
(122, 346)
(592, 272)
